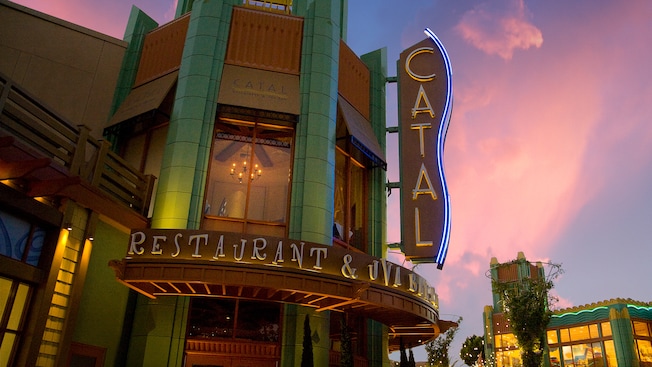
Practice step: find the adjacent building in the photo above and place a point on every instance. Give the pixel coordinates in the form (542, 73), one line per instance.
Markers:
(611, 333)
(206, 192)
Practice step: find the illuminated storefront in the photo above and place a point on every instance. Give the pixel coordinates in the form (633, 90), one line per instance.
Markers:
(611, 333)
(231, 188)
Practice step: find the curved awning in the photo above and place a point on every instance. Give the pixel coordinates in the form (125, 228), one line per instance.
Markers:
(144, 98)
(361, 133)
(205, 263)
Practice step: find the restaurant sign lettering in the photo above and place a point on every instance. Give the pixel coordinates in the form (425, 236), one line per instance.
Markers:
(425, 103)
(212, 247)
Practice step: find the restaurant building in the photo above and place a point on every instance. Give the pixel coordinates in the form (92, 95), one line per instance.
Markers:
(616, 332)
(206, 192)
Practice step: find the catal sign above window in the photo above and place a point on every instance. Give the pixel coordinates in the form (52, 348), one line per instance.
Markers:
(425, 103)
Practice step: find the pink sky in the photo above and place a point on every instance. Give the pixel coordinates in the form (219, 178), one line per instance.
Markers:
(549, 149)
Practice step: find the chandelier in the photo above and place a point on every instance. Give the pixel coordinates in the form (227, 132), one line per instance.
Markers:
(239, 173)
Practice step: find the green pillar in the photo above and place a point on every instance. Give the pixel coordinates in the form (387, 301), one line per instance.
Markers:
(293, 333)
(623, 336)
(313, 179)
(314, 164)
(185, 160)
(138, 25)
(158, 337)
(376, 61)
(158, 334)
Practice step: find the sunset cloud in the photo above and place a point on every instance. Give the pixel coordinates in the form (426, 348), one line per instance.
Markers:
(499, 32)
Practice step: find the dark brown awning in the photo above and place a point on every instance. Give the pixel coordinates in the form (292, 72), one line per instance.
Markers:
(361, 134)
(327, 278)
(145, 98)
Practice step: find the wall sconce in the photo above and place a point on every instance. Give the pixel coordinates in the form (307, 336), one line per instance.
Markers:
(68, 226)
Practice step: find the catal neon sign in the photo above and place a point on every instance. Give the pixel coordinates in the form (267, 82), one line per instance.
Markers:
(425, 103)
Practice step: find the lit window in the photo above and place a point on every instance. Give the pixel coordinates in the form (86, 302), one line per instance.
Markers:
(249, 177)
(350, 202)
(14, 300)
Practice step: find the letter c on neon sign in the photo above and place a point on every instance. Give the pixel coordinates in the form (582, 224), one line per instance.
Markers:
(412, 74)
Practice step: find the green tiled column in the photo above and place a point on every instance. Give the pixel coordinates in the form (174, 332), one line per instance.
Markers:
(314, 165)
(159, 325)
(313, 180)
(621, 329)
(158, 334)
(376, 61)
(183, 171)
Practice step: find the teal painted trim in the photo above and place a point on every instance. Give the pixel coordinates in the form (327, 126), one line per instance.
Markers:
(183, 7)
(138, 25)
(344, 16)
(376, 62)
(570, 318)
(313, 180)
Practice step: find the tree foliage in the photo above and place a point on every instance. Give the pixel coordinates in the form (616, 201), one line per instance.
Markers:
(437, 349)
(526, 306)
(472, 348)
(307, 359)
(404, 358)
(346, 353)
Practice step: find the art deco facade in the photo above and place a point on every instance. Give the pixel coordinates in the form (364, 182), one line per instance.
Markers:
(192, 194)
(611, 333)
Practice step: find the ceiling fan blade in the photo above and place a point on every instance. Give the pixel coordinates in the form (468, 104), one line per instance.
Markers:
(262, 156)
(227, 152)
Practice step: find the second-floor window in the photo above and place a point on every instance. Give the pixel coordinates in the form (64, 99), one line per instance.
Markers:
(249, 177)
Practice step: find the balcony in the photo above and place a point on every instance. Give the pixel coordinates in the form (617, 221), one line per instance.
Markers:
(44, 156)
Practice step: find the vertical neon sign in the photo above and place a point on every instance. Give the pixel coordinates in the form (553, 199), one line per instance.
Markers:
(425, 103)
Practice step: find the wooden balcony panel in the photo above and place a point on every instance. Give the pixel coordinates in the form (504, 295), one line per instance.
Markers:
(32, 135)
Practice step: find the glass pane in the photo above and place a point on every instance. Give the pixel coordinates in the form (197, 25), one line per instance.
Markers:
(610, 353)
(211, 318)
(554, 357)
(579, 333)
(20, 303)
(644, 352)
(272, 164)
(250, 175)
(227, 188)
(5, 288)
(340, 196)
(552, 337)
(593, 331)
(258, 321)
(564, 335)
(14, 232)
(606, 329)
(510, 358)
(508, 341)
(36, 247)
(567, 353)
(641, 328)
(6, 348)
(598, 356)
(357, 210)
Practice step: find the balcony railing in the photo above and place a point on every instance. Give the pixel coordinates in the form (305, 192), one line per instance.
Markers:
(44, 149)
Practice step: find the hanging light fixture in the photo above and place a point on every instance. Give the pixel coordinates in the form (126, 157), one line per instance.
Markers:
(239, 173)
